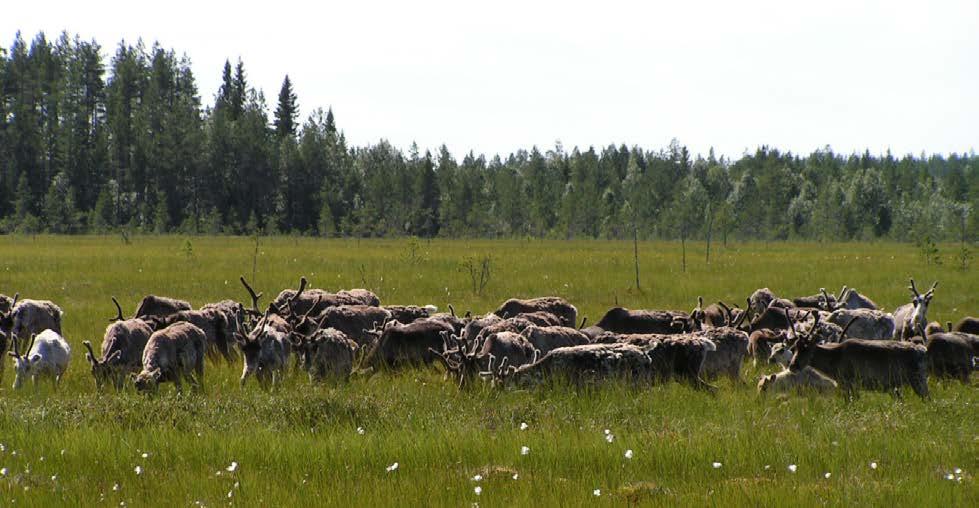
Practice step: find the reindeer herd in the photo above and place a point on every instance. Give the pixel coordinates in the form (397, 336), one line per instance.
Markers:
(822, 342)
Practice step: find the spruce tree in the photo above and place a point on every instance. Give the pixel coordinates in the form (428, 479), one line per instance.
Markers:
(287, 111)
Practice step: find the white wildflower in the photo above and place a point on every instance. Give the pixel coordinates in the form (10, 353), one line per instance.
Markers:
(232, 468)
(360, 430)
(792, 467)
(3, 471)
(139, 470)
(950, 476)
(873, 465)
(392, 467)
(230, 493)
(478, 490)
(54, 477)
(516, 476)
(717, 465)
(146, 455)
(524, 426)
(609, 437)
(115, 488)
(958, 470)
(607, 432)
(478, 478)
(628, 454)
(596, 492)
(524, 450)
(827, 475)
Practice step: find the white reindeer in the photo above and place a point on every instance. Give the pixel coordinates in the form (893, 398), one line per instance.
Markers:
(48, 355)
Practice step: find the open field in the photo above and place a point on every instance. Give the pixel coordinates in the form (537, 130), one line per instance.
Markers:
(301, 446)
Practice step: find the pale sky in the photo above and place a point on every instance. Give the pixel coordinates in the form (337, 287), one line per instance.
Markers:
(497, 76)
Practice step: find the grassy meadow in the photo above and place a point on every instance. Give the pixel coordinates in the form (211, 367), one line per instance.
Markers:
(336, 445)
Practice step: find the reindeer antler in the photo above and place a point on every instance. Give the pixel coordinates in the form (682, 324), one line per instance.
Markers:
(302, 287)
(91, 353)
(118, 310)
(251, 293)
(847, 327)
(914, 289)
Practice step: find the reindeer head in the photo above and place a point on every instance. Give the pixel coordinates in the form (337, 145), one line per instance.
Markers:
(7, 318)
(103, 371)
(919, 315)
(460, 359)
(148, 380)
(23, 363)
(804, 346)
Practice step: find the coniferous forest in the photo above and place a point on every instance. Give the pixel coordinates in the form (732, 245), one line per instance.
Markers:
(131, 144)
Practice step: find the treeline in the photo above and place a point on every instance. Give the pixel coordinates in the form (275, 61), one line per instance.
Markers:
(94, 146)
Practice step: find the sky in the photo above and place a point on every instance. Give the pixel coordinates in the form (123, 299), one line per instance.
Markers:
(494, 77)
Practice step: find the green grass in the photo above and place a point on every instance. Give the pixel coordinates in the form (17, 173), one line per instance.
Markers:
(300, 445)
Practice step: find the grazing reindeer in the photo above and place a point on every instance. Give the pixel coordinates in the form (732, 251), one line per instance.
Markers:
(731, 346)
(951, 355)
(967, 324)
(465, 361)
(173, 354)
(557, 306)
(152, 306)
(912, 318)
(325, 355)
(30, 317)
(578, 365)
(48, 355)
(122, 350)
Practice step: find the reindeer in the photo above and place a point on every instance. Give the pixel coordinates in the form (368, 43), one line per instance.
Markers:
(302, 300)
(326, 354)
(807, 379)
(679, 357)
(764, 298)
(821, 301)
(579, 365)
(547, 338)
(761, 342)
(950, 355)
(48, 355)
(266, 350)
(731, 346)
(867, 323)
(559, 307)
(152, 306)
(400, 345)
(852, 299)
(870, 364)
(29, 317)
(122, 350)
(912, 318)
(173, 354)
(465, 361)
(410, 313)
(621, 320)
(967, 324)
